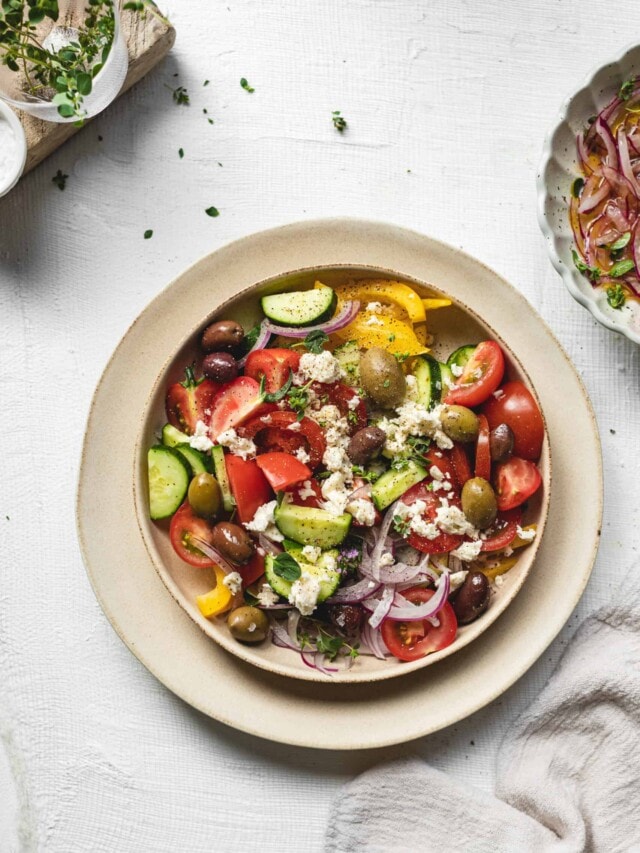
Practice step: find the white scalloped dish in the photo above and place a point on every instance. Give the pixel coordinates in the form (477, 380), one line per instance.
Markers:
(559, 168)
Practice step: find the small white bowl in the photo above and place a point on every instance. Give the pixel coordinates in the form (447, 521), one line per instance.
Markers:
(13, 177)
(559, 168)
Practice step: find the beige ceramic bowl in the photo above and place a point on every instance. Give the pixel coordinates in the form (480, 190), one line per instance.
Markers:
(451, 328)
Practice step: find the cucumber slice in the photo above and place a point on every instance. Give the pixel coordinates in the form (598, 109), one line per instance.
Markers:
(310, 526)
(429, 381)
(393, 484)
(220, 470)
(169, 477)
(329, 578)
(348, 357)
(172, 436)
(300, 308)
(446, 378)
(199, 461)
(461, 356)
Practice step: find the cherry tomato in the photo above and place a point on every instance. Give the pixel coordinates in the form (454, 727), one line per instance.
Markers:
(443, 462)
(460, 463)
(516, 407)
(188, 402)
(483, 450)
(282, 470)
(340, 395)
(248, 486)
(237, 401)
(185, 524)
(503, 530)
(481, 376)
(515, 480)
(274, 364)
(251, 571)
(414, 640)
(283, 421)
(314, 500)
(445, 541)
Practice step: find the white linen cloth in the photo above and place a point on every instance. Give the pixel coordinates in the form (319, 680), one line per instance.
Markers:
(568, 775)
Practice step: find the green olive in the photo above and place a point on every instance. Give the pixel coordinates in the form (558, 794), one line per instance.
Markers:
(204, 495)
(248, 624)
(479, 503)
(382, 378)
(459, 423)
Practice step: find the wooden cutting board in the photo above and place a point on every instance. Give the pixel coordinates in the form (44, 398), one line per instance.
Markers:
(148, 39)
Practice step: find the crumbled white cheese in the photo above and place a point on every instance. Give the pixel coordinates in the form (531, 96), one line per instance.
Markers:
(499, 394)
(375, 307)
(354, 402)
(499, 580)
(301, 455)
(386, 560)
(333, 458)
(233, 582)
(456, 579)
(436, 473)
(264, 522)
(451, 519)
(252, 627)
(413, 514)
(468, 551)
(335, 493)
(318, 368)
(267, 597)
(412, 386)
(242, 447)
(266, 419)
(457, 370)
(311, 553)
(304, 593)
(412, 418)
(200, 439)
(373, 321)
(525, 535)
(306, 490)
(294, 427)
(363, 511)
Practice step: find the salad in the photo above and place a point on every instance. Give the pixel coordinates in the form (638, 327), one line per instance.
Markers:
(605, 200)
(346, 492)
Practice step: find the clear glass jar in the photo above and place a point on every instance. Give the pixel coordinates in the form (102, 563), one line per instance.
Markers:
(66, 69)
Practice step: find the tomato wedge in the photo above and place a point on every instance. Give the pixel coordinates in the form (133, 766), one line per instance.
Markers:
(483, 450)
(251, 571)
(445, 541)
(342, 396)
(515, 481)
(482, 376)
(188, 402)
(413, 640)
(274, 364)
(236, 402)
(185, 524)
(442, 461)
(516, 406)
(314, 500)
(249, 486)
(281, 434)
(282, 470)
(460, 463)
(503, 531)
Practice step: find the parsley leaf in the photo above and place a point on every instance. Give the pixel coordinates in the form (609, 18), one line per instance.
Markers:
(624, 93)
(621, 268)
(592, 273)
(315, 341)
(245, 85)
(148, 234)
(180, 96)
(286, 567)
(329, 645)
(616, 297)
(298, 399)
(401, 525)
(181, 153)
(212, 211)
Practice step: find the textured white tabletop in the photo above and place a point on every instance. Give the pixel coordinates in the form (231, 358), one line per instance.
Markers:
(447, 104)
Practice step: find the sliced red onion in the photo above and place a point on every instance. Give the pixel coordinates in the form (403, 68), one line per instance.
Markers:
(604, 132)
(346, 315)
(383, 607)
(418, 612)
(261, 341)
(595, 190)
(372, 641)
(320, 663)
(280, 637)
(213, 554)
(617, 181)
(625, 161)
(583, 154)
(293, 619)
(356, 593)
(382, 540)
(269, 545)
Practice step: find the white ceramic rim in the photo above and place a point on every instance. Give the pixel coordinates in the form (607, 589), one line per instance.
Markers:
(21, 139)
(570, 276)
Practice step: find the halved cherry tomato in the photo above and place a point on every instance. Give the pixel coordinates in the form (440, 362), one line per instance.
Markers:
(414, 640)
(503, 530)
(283, 421)
(516, 407)
(273, 364)
(282, 470)
(442, 461)
(188, 402)
(251, 571)
(340, 396)
(237, 401)
(445, 541)
(515, 480)
(248, 486)
(481, 376)
(185, 524)
(314, 500)
(460, 463)
(483, 450)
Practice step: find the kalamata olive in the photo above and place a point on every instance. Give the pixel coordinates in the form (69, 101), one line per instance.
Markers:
(382, 378)
(220, 366)
(204, 495)
(501, 440)
(226, 335)
(232, 541)
(479, 503)
(472, 599)
(248, 624)
(366, 444)
(347, 617)
(459, 423)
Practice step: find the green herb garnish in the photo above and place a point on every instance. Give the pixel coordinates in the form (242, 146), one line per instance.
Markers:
(621, 242)
(624, 93)
(286, 567)
(577, 187)
(401, 525)
(245, 85)
(276, 396)
(212, 211)
(148, 234)
(592, 273)
(298, 399)
(315, 341)
(180, 95)
(181, 153)
(60, 179)
(402, 356)
(621, 268)
(339, 122)
(616, 296)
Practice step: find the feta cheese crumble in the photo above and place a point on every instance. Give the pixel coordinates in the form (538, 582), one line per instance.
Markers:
(200, 439)
(363, 511)
(267, 597)
(456, 579)
(264, 522)
(412, 418)
(451, 519)
(302, 455)
(373, 321)
(412, 515)
(318, 368)
(242, 447)
(525, 535)
(304, 593)
(306, 490)
(311, 553)
(456, 370)
(468, 551)
(233, 582)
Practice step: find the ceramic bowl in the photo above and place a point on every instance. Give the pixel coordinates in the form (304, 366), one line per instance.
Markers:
(450, 328)
(559, 168)
(13, 176)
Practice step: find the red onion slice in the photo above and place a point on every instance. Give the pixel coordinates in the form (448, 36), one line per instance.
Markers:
(382, 608)
(293, 618)
(213, 554)
(604, 132)
(595, 190)
(346, 315)
(583, 154)
(416, 613)
(382, 540)
(625, 161)
(356, 593)
(269, 545)
(280, 637)
(373, 643)
(261, 341)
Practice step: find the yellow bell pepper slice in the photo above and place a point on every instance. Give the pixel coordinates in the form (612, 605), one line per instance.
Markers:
(382, 290)
(520, 543)
(386, 332)
(218, 600)
(432, 303)
(502, 567)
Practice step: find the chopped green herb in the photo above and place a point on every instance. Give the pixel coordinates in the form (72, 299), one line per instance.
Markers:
(329, 644)
(369, 476)
(181, 153)
(212, 211)
(592, 273)
(180, 95)
(206, 83)
(245, 85)
(251, 337)
(148, 234)
(621, 242)
(621, 268)
(60, 179)
(352, 417)
(401, 525)
(315, 341)
(298, 399)
(386, 383)
(577, 187)
(286, 567)
(616, 297)
(624, 93)
(339, 122)
(392, 338)
(402, 356)
(276, 396)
